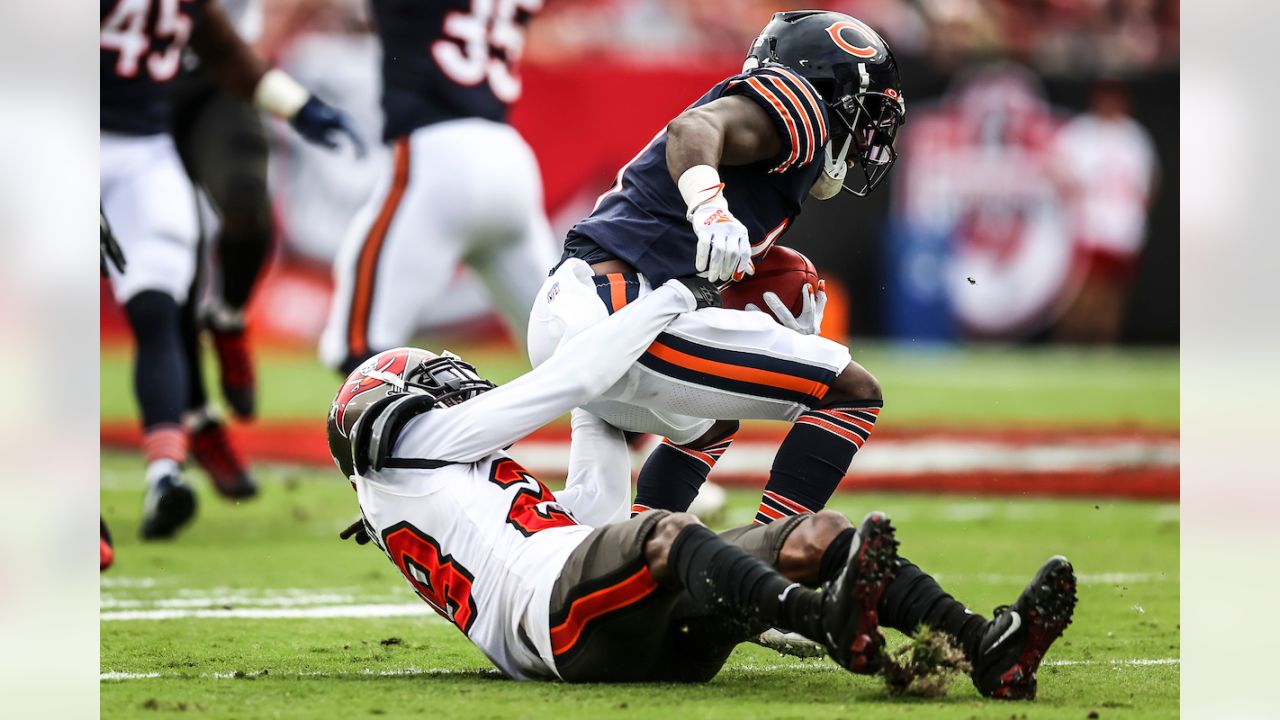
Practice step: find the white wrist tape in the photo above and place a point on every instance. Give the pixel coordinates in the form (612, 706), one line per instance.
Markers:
(279, 94)
(700, 185)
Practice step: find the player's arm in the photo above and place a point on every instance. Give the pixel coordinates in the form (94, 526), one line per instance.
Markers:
(598, 488)
(731, 130)
(239, 70)
(582, 368)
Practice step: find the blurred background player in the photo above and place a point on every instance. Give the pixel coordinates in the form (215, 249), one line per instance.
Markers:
(151, 204)
(223, 145)
(1107, 167)
(819, 99)
(463, 186)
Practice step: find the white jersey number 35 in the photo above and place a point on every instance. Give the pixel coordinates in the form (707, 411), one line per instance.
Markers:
(467, 54)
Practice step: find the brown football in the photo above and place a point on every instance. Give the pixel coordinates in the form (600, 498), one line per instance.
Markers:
(783, 271)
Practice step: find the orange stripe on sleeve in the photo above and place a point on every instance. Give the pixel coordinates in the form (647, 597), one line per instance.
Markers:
(804, 117)
(814, 106)
(773, 100)
(737, 372)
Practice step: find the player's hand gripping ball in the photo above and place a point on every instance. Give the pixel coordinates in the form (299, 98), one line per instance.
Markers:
(787, 285)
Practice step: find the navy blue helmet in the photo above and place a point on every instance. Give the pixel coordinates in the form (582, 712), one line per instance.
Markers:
(853, 69)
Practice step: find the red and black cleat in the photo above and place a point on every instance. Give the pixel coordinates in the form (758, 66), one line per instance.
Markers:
(1020, 634)
(211, 447)
(235, 367)
(851, 623)
(106, 554)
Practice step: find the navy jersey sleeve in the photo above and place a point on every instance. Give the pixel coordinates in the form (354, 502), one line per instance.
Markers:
(794, 106)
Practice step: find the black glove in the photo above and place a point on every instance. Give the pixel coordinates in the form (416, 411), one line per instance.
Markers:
(319, 122)
(704, 291)
(108, 248)
(356, 530)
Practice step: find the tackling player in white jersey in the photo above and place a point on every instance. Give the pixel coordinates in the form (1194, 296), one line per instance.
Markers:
(561, 586)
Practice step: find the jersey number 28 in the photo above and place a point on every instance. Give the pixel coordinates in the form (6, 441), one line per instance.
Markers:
(125, 31)
(435, 576)
(468, 53)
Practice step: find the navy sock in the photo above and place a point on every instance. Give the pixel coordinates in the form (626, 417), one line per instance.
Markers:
(814, 457)
(160, 369)
(197, 399)
(724, 576)
(672, 474)
(914, 598)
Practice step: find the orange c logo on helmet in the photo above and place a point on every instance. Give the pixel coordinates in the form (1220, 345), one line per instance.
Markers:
(854, 50)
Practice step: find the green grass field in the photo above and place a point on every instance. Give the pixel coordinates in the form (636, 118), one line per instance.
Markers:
(996, 386)
(279, 554)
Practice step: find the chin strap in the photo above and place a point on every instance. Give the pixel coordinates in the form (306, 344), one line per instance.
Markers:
(834, 168)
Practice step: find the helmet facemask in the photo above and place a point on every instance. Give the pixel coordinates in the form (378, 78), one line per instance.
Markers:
(872, 120)
(447, 378)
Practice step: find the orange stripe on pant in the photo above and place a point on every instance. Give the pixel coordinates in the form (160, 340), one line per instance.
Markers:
(367, 264)
(589, 607)
(736, 372)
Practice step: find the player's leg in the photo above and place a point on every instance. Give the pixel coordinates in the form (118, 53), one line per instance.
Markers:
(512, 246)
(819, 448)
(737, 365)
(210, 444)
(398, 256)
(149, 202)
(752, 578)
(661, 597)
(1004, 652)
(224, 147)
(673, 474)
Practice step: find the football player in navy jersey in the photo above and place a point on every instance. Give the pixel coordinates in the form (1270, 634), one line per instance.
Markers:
(151, 205)
(223, 144)
(464, 186)
(819, 103)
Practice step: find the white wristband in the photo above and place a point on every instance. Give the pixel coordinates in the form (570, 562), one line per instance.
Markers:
(700, 185)
(279, 94)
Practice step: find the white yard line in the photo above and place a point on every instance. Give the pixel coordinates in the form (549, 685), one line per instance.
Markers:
(381, 610)
(366, 672)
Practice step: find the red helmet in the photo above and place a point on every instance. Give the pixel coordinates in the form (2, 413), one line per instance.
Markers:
(399, 383)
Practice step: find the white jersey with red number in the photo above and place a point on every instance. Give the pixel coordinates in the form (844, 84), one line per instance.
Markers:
(475, 535)
(482, 543)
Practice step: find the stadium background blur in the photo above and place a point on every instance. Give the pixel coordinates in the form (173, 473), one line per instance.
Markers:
(977, 350)
(976, 238)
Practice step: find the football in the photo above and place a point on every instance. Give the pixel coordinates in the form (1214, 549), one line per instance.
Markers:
(783, 271)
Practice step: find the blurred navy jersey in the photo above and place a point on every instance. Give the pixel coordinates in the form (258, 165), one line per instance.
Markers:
(140, 52)
(641, 218)
(449, 59)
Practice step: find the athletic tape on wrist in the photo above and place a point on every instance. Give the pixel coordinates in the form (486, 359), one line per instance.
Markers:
(700, 185)
(279, 94)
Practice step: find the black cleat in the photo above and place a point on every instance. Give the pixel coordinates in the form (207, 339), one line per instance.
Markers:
(169, 504)
(235, 365)
(212, 450)
(1020, 634)
(850, 620)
